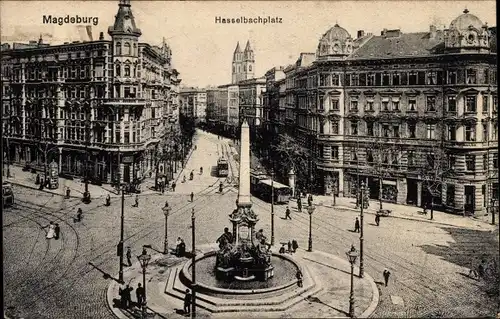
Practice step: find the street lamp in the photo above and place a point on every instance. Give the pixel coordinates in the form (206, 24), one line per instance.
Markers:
(351, 256)
(361, 268)
(166, 211)
(193, 266)
(310, 210)
(86, 194)
(120, 244)
(144, 259)
(272, 207)
(493, 210)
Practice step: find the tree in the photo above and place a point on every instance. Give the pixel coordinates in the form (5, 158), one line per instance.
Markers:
(434, 168)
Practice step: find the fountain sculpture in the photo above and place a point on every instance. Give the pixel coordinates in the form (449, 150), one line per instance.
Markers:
(246, 255)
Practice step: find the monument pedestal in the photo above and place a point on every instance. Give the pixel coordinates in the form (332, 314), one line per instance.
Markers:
(224, 273)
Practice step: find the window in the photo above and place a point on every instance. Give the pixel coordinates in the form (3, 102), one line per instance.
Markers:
(385, 105)
(485, 103)
(362, 79)
(335, 79)
(485, 132)
(470, 132)
(117, 70)
(369, 128)
(320, 105)
(370, 79)
(354, 105)
(470, 164)
(421, 78)
(432, 78)
(335, 104)
(378, 79)
(385, 79)
(118, 48)
(369, 105)
(395, 105)
(471, 76)
(470, 104)
(430, 131)
(412, 78)
(369, 156)
(452, 104)
(395, 157)
(431, 104)
(73, 72)
(452, 77)
(354, 156)
(485, 162)
(335, 152)
(495, 132)
(321, 152)
(395, 79)
(335, 127)
(450, 195)
(354, 128)
(495, 160)
(127, 70)
(354, 80)
(412, 105)
(452, 132)
(385, 130)
(412, 128)
(411, 158)
(486, 76)
(451, 161)
(321, 128)
(495, 104)
(395, 129)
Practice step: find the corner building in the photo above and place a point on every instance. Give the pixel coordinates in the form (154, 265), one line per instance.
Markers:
(99, 106)
(415, 92)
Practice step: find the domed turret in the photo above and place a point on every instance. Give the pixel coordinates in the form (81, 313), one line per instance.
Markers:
(334, 44)
(467, 32)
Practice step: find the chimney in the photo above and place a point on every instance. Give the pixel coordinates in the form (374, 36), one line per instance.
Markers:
(432, 31)
(101, 35)
(361, 33)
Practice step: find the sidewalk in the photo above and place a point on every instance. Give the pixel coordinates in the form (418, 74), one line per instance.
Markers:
(405, 212)
(77, 187)
(330, 272)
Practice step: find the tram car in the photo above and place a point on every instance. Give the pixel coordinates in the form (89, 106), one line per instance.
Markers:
(222, 167)
(262, 187)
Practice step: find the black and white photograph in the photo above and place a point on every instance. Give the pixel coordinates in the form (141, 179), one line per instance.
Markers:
(249, 159)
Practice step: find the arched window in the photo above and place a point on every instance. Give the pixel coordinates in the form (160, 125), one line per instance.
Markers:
(250, 68)
(127, 48)
(118, 48)
(118, 70)
(127, 70)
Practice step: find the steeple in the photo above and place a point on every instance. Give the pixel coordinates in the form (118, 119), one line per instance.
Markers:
(124, 21)
(247, 47)
(238, 49)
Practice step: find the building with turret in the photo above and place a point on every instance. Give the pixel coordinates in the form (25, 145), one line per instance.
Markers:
(96, 108)
(243, 64)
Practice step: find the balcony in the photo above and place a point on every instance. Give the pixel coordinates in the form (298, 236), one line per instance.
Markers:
(465, 144)
(126, 102)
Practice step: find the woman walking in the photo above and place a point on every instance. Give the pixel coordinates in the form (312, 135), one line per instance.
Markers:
(52, 230)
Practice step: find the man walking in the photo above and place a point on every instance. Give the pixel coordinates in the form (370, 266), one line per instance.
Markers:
(287, 213)
(139, 293)
(377, 219)
(173, 187)
(299, 205)
(386, 273)
(57, 231)
(192, 196)
(187, 302)
(356, 225)
(136, 201)
(129, 256)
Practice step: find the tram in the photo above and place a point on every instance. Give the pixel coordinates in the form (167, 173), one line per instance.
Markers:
(222, 167)
(262, 187)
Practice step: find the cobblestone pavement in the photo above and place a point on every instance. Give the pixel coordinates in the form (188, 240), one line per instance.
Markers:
(53, 279)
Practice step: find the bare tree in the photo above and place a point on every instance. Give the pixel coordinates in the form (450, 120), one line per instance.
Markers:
(434, 168)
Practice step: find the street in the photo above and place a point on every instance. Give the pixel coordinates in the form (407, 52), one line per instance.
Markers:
(53, 278)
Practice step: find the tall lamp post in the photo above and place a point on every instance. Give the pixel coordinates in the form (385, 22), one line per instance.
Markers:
(361, 239)
(272, 207)
(166, 211)
(120, 244)
(193, 266)
(86, 194)
(144, 259)
(310, 210)
(351, 256)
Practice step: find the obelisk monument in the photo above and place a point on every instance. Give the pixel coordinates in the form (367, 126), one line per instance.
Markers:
(244, 187)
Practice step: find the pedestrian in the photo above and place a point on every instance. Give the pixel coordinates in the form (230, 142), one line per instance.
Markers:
(173, 187)
(299, 278)
(129, 256)
(57, 231)
(128, 297)
(289, 247)
(310, 200)
(123, 302)
(136, 201)
(166, 204)
(51, 232)
(68, 192)
(299, 205)
(287, 213)
(79, 214)
(108, 200)
(177, 247)
(192, 195)
(356, 225)
(282, 249)
(221, 187)
(295, 245)
(377, 219)
(187, 302)
(386, 273)
(182, 248)
(139, 293)
(162, 187)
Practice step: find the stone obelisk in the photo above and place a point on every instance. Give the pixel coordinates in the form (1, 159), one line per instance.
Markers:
(244, 187)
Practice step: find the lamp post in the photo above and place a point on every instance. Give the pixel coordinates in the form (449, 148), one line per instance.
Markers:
(310, 210)
(351, 256)
(361, 239)
(86, 194)
(166, 211)
(272, 207)
(144, 259)
(193, 266)
(120, 244)
(493, 210)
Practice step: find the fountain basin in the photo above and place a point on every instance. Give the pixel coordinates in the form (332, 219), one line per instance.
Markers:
(285, 269)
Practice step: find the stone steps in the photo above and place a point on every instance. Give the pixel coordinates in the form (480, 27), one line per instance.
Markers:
(277, 301)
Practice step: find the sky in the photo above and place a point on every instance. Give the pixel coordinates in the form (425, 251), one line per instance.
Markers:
(203, 49)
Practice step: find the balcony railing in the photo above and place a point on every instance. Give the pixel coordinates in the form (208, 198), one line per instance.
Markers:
(126, 101)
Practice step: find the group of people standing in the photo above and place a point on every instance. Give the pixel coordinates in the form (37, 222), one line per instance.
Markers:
(126, 299)
(53, 230)
(291, 245)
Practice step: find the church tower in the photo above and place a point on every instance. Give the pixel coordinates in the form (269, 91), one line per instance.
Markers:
(125, 36)
(237, 64)
(248, 63)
